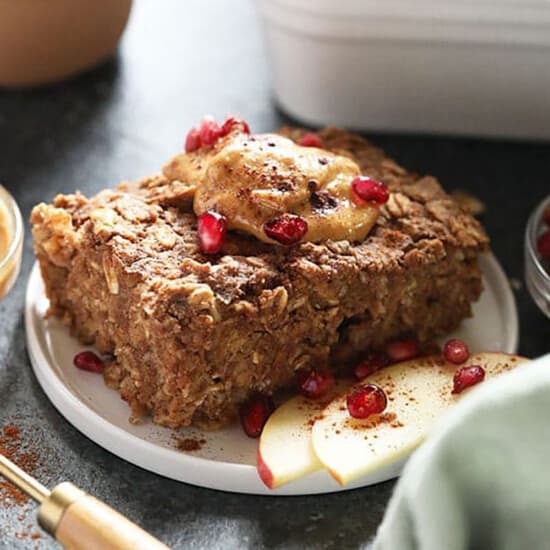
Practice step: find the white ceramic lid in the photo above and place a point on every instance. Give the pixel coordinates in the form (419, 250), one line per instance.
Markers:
(494, 21)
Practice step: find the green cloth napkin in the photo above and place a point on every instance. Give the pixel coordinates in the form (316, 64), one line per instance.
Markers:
(482, 480)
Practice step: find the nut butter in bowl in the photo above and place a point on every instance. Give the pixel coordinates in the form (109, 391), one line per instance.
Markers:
(11, 241)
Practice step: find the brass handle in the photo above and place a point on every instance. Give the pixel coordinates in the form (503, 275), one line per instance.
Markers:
(79, 521)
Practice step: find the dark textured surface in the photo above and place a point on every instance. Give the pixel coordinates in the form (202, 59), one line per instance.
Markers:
(121, 122)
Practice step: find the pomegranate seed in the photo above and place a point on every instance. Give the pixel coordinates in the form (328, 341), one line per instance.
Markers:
(374, 362)
(254, 414)
(212, 229)
(286, 229)
(402, 350)
(546, 216)
(543, 244)
(209, 131)
(231, 123)
(366, 400)
(88, 360)
(192, 141)
(466, 377)
(315, 384)
(366, 189)
(311, 140)
(456, 351)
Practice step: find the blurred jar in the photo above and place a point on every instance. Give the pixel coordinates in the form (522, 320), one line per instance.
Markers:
(11, 241)
(537, 269)
(44, 41)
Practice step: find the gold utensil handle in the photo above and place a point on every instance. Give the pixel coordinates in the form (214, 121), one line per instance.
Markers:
(81, 522)
(90, 524)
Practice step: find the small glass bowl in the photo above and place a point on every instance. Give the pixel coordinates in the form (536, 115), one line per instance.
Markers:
(10, 258)
(536, 276)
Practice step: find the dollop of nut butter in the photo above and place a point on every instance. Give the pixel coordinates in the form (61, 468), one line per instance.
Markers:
(253, 179)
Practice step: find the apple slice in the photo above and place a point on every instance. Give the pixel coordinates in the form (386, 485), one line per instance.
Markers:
(285, 451)
(418, 392)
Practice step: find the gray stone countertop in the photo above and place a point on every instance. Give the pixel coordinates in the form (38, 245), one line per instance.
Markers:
(177, 61)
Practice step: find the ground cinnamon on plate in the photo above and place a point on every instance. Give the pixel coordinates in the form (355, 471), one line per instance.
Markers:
(189, 444)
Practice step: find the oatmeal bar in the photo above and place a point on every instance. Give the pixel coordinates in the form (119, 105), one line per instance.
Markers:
(192, 335)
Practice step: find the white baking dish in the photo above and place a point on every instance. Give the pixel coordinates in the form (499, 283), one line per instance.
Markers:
(455, 66)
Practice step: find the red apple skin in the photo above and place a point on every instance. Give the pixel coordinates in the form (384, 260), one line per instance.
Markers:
(336, 476)
(263, 470)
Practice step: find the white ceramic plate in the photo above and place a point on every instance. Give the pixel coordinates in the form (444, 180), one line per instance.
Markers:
(227, 460)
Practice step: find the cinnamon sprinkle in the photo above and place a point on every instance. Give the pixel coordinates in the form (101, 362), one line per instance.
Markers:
(189, 444)
(27, 459)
